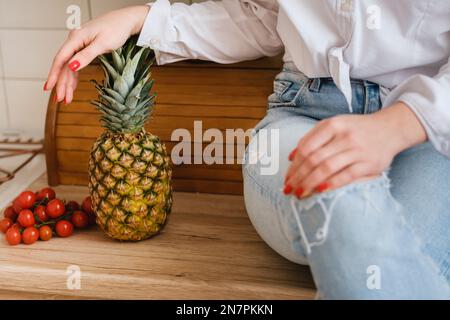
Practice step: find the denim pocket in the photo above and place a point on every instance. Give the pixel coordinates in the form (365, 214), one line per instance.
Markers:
(287, 88)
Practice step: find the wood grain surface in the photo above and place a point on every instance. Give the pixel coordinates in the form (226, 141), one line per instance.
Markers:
(209, 250)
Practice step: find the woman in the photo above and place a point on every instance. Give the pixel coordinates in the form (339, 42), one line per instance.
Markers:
(363, 116)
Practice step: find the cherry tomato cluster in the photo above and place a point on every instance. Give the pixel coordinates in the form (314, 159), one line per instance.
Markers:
(40, 215)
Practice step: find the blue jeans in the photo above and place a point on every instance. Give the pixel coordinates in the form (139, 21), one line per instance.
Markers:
(384, 238)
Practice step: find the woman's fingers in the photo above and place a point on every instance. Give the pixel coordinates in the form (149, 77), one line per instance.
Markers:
(69, 48)
(319, 177)
(71, 86)
(306, 166)
(312, 141)
(61, 85)
(85, 56)
(357, 171)
(77, 52)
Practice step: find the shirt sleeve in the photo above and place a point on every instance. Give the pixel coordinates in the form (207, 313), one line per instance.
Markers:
(429, 98)
(226, 31)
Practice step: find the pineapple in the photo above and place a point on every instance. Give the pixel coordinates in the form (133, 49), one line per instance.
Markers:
(129, 169)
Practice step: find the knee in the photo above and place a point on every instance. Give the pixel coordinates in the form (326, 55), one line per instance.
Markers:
(266, 208)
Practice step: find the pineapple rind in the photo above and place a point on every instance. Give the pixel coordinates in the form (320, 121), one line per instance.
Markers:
(133, 198)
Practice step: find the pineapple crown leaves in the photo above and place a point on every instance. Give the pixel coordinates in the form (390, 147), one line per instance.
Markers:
(125, 100)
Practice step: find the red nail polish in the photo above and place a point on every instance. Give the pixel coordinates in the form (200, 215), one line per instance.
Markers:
(292, 154)
(299, 192)
(45, 86)
(55, 98)
(65, 102)
(74, 65)
(287, 189)
(322, 187)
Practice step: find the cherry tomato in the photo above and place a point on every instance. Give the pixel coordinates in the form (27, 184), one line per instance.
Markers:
(26, 218)
(17, 226)
(87, 207)
(30, 235)
(80, 219)
(46, 193)
(13, 236)
(26, 199)
(72, 206)
(10, 213)
(5, 224)
(45, 233)
(64, 228)
(55, 209)
(41, 213)
(16, 207)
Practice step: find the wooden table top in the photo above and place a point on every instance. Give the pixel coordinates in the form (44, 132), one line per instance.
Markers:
(209, 250)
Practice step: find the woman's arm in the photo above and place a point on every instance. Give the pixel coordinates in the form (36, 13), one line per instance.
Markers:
(223, 31)
(98, 36)
(429, 98)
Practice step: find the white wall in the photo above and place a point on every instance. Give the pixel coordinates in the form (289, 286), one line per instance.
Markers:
(31, 31)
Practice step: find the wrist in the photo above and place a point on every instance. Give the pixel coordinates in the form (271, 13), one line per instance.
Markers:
(139, 15)
(404, 127)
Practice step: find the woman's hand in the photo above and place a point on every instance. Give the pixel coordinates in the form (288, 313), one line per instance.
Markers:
(347, 148)
(103, 34)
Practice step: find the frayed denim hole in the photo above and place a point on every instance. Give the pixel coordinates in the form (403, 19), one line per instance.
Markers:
(327, 202)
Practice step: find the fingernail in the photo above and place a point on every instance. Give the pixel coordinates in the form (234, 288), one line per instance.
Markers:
(74, 65)
(292, 154)
(45, 86)
(299, 192)
(55, 98)
(287, 189)
(65, 102)
(322, 187)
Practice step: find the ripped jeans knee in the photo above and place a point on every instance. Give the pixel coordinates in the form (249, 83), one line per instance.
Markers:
(313, 216)
(292, 227)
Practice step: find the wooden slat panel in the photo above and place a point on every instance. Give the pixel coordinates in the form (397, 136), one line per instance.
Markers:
(78, 144)
(195, 89)
(273, 64)
(188, 185)
(82, 144)
(200, 77)
(73, 131)
(78, 131)
(214, 97)
(161, 109)
(175, 122)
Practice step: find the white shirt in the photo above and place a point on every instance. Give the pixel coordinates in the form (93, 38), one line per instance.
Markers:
(403, 45)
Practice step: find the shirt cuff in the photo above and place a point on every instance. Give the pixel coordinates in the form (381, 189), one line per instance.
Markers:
(427, 116)
(158, 33)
